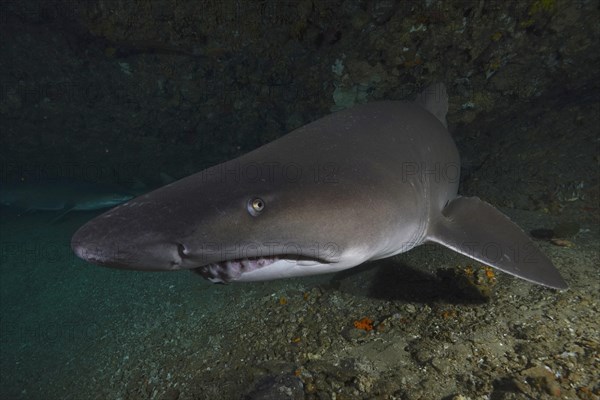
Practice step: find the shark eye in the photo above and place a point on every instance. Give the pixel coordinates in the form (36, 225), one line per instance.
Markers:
(255, 206)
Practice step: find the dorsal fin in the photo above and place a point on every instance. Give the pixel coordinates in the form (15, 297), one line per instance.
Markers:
(435, 100)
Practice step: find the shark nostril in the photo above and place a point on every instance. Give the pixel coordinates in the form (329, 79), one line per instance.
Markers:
(182, 250)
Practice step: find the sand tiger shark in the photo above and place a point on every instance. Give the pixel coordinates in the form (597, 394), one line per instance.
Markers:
(361, 184)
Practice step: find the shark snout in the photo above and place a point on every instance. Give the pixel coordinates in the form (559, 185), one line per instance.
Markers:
(111, 250)
(93, 252)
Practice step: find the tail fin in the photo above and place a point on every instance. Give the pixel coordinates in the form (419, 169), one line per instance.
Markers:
(476, 229)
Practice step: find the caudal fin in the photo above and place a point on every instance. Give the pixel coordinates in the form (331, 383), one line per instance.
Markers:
(476, 229)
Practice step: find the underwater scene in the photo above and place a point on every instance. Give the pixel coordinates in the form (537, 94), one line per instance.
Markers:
(321, 200)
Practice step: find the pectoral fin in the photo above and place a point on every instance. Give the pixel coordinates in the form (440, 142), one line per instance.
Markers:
(476, 229)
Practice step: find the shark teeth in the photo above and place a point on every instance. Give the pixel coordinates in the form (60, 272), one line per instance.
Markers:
(230, 270)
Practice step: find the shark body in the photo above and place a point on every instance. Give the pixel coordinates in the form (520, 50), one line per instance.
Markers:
(361, 184)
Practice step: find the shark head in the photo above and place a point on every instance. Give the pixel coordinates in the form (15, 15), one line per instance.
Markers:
(244, 226)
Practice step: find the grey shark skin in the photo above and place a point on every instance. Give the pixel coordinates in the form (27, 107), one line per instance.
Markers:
(361, 184)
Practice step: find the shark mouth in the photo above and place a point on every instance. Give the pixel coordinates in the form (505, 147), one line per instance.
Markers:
(231, 270)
